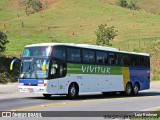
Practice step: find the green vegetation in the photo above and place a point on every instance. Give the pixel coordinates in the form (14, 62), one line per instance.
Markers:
(31, 6)
(7, 75)
(105, 34)
(133, 5)
(76, 20)
(3, 41)
(122, 3)
(150, 6)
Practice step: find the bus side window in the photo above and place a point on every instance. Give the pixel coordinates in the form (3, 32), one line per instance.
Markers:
(58, 69)
(146, 62)
(127, 60)
(59, 53)
(101, 57)
(142, 61)
(121, 59)
(124, 59)
(135, 61)
(77, 55)
(88, 56)
(91, 56)
(132, 61)
(113, 58)
(73, 55)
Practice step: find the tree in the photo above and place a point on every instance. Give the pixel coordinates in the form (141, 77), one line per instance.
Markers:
(105, 34)
(3, 41)
(122, 3)
(133, 5)
(36, 5)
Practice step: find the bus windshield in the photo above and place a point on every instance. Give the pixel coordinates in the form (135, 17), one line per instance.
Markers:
(32, 68)
(36, 51)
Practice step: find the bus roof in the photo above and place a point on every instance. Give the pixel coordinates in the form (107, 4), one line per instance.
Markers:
(86, 46)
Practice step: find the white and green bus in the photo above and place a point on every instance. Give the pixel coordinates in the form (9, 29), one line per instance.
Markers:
(71, 69)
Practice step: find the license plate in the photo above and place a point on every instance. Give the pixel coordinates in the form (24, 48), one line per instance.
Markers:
(30, 89)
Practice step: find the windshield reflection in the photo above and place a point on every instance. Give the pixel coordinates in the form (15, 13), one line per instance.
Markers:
(36, 51)
(32, 68)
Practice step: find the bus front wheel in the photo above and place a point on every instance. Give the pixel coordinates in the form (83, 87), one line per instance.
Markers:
(72, 91)
(128, 89)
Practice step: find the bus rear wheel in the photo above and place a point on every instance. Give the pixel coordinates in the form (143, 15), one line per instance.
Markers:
(72, 91)
(136, 89)
(47, 95)
(128, 90)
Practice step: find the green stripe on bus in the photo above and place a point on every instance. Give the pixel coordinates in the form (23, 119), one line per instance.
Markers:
(93, 69)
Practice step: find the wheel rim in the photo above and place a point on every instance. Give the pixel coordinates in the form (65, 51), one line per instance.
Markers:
(129, 89)
(73, 91)
(136, 89)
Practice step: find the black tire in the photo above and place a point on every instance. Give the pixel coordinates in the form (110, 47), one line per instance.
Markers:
(47, 95)
(109, 93)
(105, 93)
(129, 89)
(136, 89)
(72, 91)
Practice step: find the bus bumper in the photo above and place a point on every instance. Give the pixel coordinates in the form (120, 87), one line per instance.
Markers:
(32, 89)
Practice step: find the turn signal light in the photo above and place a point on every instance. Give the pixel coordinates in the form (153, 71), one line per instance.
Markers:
(45, 84)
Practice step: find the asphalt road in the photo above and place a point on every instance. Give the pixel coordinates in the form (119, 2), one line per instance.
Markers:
(146, 100)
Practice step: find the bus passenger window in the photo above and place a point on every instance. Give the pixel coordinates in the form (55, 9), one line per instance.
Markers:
(59, 53)
(77, 55)
(113, 58)
(88, 56)
(124, 59)
(73, 55)
(142, 61)
(101, 57)
(134, 60)
(146, 62)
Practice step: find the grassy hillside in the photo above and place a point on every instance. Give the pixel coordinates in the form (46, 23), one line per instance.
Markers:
(150, 6)
(76, 20)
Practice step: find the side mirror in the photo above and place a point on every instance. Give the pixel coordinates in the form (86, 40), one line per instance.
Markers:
(13, 61)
